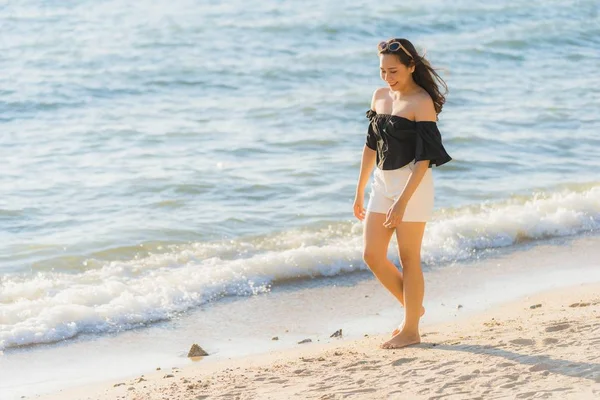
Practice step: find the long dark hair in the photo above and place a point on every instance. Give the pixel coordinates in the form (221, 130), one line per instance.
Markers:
(424, 74)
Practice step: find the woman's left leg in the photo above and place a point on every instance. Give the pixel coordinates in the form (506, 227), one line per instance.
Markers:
(410, 237)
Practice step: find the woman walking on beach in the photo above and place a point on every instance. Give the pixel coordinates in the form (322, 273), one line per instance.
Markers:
(403, 143)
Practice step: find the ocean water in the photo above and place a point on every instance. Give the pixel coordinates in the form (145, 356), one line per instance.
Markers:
(159, 156)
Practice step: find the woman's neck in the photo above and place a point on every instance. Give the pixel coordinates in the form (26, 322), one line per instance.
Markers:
(407, 89)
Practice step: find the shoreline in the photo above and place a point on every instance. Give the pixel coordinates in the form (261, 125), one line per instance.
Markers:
(513, 349)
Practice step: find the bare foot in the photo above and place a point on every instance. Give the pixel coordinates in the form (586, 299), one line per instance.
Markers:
(399, 328)
(402, 339)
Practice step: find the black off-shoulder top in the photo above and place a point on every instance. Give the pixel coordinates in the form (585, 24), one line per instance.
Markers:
(398, 140)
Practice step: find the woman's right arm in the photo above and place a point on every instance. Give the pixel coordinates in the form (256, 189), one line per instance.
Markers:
(369, 157)
(366, 166)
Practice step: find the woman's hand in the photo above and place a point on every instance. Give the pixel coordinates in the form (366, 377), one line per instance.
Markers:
(359, 210)
(395, 214)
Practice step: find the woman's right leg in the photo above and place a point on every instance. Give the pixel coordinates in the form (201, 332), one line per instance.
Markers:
(376, 242)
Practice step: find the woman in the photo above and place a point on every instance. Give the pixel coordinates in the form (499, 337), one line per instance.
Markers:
(403, 143)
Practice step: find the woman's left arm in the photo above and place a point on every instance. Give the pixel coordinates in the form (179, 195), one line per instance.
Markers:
(425, 111)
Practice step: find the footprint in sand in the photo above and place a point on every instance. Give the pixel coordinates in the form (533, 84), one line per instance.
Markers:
(540, 367)
(549, 340)
(557, 327)
(351, 392)
(327, 396)
(506, 364)
(402, 361)
(299, 371)
(522, 342)
(511, 385)
(463, 378)
(321, 387)
(363, 366)
(445, 364)
(278, 381)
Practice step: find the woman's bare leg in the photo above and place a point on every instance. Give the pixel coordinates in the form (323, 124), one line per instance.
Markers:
(376, 241)
(410, 238)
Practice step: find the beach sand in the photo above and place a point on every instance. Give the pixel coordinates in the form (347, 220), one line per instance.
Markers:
(545, 345)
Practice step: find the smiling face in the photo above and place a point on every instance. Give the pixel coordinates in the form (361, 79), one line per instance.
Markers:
(393, 72)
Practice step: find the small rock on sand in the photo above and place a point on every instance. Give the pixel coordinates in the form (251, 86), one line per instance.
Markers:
(305, 341)
(275, 338)
(197, 351)
(337, 333)
(580, 304)
(535, 306)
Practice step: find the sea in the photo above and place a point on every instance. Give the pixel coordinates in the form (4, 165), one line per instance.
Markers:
(170, 168)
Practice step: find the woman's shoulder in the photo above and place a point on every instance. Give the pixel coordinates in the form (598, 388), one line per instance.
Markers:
(380, 94)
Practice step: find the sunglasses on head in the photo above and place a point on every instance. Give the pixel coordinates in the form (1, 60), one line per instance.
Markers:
(393, 46)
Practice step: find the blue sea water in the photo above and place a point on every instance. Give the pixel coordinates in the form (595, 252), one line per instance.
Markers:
(156, 155)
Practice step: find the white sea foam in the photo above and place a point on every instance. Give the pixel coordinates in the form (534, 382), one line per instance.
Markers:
(460, 233)
(118, 295)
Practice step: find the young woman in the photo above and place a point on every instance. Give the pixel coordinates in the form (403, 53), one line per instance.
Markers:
(403, 143)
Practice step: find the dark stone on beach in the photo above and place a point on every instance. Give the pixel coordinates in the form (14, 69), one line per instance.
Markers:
(118, 384)
(197, 351)
(130, 388)
(305, 341)
(458, 307)
(158, 368)
(579, 304)
(275, 338)
(140, 380)
(169, 376)
(535, 306)
(337, 333)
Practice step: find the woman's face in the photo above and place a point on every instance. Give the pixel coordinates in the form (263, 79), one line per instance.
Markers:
(393, 72)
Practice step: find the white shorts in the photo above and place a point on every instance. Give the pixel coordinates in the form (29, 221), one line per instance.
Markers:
(388, 185)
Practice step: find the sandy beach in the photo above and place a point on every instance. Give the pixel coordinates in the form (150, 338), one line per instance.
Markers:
(184, 173)
(541, 346)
